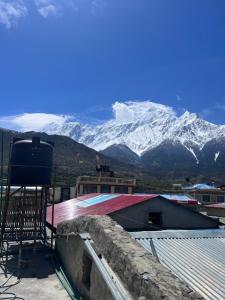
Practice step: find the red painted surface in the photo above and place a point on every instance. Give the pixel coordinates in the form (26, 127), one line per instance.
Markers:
(189, 202)
(69, 210)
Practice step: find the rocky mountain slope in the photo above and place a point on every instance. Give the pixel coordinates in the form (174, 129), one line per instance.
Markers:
(154, 136)
(142, 126)
(151, 136)
(71, 159)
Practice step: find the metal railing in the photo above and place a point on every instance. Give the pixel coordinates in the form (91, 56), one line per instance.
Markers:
(106, 180)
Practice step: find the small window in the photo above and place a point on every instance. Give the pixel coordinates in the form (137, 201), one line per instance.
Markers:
(155, 218)
(87, 266)
(121, 189)
(65, 194)
(220, 199)
(105, 189)
(205, 198)
(90, 188)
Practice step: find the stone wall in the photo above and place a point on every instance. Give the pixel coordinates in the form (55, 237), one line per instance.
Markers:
(140, 273)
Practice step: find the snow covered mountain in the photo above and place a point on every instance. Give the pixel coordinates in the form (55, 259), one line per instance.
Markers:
(143, 126)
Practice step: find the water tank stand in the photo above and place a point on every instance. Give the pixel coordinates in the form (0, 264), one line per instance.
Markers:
(26, 216)
(24, 224)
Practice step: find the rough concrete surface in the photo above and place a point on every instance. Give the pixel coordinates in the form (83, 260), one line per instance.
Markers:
(141, 274)
(71, 252)
(44, 285)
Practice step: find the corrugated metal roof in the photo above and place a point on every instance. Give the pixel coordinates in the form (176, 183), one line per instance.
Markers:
(195, 256)
(93, 204)
(200, 186)
(218, 205)
(99, 204)
(179, 198)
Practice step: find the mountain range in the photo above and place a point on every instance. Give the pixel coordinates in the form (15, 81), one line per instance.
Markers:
(153, 136)
(150, 136)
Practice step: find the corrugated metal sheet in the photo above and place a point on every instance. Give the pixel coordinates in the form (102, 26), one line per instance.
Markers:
(218, 205)
(98, 204)
(195, 256)
(200, 186)
(93, 204)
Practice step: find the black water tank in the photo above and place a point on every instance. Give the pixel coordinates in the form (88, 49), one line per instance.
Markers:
(31, 162)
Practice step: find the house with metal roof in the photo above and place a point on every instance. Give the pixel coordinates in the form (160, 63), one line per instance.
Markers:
(217, 209)
(132, 212)
(194, 256)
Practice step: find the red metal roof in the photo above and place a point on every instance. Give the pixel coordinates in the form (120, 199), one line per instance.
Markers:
(71, 209)
(99, 204)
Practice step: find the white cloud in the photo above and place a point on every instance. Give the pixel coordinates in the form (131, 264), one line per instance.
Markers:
(126, 112)
(45, 11)
(98, 6)
(212, 111)
(122, 112)
(32, 121)
(179, 98)
(11, 12)
(47, 8)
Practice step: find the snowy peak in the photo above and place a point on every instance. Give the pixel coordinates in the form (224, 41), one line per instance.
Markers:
(132, 112)
(142, 126)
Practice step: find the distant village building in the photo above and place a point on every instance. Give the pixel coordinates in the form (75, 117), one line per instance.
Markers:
(91, 184)
(104, 182)
(133, 212)
(206, 193)
(217, 210)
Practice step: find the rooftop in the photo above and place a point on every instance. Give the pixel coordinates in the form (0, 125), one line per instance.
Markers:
(102, 204)
(93, 204)
(105, 180)
(44, 284)
(217, 205)
(195, 256)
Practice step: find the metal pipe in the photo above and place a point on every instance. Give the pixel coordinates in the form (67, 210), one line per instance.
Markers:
(111, 285)
(53, 208)
(154, 253)
(1, 192)
(6, 202)
(107, 278)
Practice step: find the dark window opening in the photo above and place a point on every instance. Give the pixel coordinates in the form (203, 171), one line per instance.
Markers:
(87, 266)
(91, 188)
(105, 189)
(65, 194)
(205, 198)
(155, 218)
(220, 199)
(121, 189)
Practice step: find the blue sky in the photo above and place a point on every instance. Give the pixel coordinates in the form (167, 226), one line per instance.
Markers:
(80, 56)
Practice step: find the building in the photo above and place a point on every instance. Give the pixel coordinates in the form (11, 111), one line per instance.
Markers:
(103, 262)
(217, 210)
(205, 193)
(194, 256)
(102, 184)
(132, 212)
(183, 199)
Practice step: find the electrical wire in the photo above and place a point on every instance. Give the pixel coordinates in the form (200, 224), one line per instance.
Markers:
(9, 295)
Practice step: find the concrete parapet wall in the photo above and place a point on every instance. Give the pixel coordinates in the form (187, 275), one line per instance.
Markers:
(140, 273)
(71, 252)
